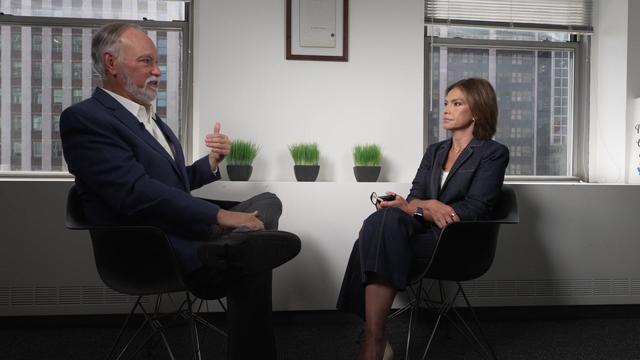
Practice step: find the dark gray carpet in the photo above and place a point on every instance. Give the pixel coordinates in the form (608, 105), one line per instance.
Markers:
(525, 333)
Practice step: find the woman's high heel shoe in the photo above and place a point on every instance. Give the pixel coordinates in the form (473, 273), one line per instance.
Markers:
(388, 352)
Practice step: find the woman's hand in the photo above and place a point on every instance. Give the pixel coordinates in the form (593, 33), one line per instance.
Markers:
(441, 214)
(399, 202)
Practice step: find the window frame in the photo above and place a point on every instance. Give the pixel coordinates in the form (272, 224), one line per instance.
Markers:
(185, 112)
(579, 45)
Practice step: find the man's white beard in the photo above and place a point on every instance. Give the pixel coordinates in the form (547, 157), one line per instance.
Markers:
(144, 94)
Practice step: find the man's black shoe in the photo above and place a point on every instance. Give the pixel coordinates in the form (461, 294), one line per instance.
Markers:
(250, 252)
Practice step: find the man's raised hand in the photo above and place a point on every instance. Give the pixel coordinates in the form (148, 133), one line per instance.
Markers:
(219, 145)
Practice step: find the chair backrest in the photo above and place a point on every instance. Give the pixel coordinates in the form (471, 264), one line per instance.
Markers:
(466, 249)
(134, 260)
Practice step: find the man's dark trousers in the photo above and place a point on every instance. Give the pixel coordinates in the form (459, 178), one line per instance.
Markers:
(248, 296)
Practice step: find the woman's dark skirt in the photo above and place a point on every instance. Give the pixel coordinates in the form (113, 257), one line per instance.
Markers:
(389, 242)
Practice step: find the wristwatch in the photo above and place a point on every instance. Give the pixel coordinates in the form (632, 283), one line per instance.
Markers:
(419, 213)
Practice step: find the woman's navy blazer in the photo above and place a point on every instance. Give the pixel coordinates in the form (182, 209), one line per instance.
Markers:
(473, 183)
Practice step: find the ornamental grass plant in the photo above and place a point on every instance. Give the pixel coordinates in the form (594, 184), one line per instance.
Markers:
(305, 153)
(367, 155)
(242, 152)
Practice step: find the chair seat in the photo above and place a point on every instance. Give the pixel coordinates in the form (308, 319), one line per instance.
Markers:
(139, 261)
(464, 251)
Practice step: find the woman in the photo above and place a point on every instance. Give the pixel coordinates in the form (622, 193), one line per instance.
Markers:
(458, 179)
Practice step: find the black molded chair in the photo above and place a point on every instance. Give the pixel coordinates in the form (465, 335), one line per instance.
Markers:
(465, 251)
(140, 261)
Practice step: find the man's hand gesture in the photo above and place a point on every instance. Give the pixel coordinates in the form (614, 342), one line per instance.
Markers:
(219, 144)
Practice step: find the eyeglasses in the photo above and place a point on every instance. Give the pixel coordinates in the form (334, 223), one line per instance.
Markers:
(376, 199)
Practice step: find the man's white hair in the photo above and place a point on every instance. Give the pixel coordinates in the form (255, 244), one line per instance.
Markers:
(107, 39)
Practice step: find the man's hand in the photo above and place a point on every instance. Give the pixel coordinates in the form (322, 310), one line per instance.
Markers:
(220, 146)
(233, 220)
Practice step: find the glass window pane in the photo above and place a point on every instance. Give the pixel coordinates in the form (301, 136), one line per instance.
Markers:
(36, 98)
(16, 95)
(36, 123)
(61, 75)
(533, 90)
(16, 69)
(76, 96)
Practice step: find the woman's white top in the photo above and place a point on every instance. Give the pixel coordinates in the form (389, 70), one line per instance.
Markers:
(443, 178)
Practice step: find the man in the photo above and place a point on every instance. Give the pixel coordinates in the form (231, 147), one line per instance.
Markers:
(129, 169)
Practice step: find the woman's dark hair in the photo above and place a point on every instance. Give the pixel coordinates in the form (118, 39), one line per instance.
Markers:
(483, 105)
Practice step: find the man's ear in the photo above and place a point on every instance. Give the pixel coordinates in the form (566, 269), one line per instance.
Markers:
(109, 61)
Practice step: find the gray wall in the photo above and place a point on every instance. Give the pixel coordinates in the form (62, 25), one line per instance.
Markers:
(576, 244)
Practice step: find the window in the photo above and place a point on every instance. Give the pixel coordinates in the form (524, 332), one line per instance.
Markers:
(16, 122)
(36, 149)
(36, 98)
(55, 123)
(76, 71)
(57, 70)
(76, 95)
(162, 46)
(161, 100)
(36, 70)
(16, 39)
(17, 148)
(16, 96)
(16, 69)
(57, 96)
(36, 43)
(56, 43)
(533, 73)
(36, 122)
(77, 45)
(56, 149)
(163, 72)
(61, 68)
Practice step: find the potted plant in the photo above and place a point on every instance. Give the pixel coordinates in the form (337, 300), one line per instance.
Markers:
(240, 159)
(367, 159)
(306, 157)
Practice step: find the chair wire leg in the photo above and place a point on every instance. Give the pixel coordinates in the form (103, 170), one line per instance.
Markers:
(484, 345)
(123, 328)
(403, 309)
(156, 327)
(446, 305)
(199, 319)
(415, 308)
(195, 339)
(222, 305)
(210, 325)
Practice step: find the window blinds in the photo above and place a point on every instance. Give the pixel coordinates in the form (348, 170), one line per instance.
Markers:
(570, 15)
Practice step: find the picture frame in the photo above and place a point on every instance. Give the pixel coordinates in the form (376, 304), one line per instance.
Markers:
(317, 30)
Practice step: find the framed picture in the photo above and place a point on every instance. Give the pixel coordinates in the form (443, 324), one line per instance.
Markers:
(317, 30)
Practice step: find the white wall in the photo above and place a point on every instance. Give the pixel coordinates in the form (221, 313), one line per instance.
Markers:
(608, 109)
(633, 93)
(633, 50)
(243, 80)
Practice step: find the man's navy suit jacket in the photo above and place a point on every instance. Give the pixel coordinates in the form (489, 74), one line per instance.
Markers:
(124, 176)
(473, 183)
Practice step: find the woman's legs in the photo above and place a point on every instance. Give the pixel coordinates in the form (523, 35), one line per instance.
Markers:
(378, 266)
(379, 297)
